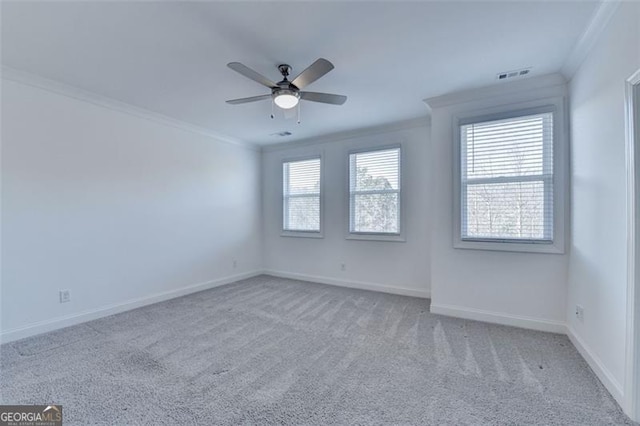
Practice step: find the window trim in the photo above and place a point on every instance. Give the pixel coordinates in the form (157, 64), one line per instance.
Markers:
(302, 234)
(554, 105)
(377, 236)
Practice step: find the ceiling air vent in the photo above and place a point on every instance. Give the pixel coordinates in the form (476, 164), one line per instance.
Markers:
(281, 134)
(513, 74)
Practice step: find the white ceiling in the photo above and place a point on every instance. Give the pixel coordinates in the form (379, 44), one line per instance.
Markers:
(170, 57)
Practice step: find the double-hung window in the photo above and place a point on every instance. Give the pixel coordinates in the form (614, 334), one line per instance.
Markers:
(507, 179)
(375, 192)
(301, 201)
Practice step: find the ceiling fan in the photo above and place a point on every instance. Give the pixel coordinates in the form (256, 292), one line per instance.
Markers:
(286, 94)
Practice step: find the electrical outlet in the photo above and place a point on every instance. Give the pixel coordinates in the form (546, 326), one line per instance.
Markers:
(65, 296)
(580, 313)
(343, 266)
(235, 263)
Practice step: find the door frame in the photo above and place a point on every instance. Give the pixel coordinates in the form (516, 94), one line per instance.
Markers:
(632, 364)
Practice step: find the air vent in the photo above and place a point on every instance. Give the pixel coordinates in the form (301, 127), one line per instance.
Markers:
(513, 74)
(281, 134)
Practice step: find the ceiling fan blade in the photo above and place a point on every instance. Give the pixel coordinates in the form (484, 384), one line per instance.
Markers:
(249, 73)
(247, 100)
(325, 98)
(314, 72)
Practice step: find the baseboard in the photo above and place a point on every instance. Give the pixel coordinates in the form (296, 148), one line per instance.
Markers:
(351, 284)
(500, 318)
(605, 376)
(84, 316)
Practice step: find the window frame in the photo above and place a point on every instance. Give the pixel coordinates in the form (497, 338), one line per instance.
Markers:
(301, 233)
(377, 236)
(559, 178)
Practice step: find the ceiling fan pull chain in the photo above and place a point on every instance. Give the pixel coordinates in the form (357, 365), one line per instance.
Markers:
(272, 102)
(298, 112)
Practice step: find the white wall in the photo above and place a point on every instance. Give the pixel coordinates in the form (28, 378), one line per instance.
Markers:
(522, 289)
(597, 268)
(399, 267)
(115, 208)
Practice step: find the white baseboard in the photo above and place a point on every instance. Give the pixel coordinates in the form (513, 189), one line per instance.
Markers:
(500, 318)
(426, 294)
(605, 376)
(84, 316)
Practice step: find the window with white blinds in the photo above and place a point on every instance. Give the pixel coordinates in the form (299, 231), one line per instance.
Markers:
(507, 179)
(374, 192)
(301, 195)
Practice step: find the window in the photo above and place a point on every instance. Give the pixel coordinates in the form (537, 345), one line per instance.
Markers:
(374, 192)
(301, 195)
(507, 179)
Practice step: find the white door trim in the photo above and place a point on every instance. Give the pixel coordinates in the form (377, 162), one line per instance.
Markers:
(632, 367)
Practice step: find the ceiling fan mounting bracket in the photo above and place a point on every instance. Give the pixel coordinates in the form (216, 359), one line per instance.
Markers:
(285, 70)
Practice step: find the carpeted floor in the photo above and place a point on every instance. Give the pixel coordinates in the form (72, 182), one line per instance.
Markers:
(274, 351)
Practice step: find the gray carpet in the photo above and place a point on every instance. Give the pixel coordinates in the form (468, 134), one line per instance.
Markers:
(273, 351)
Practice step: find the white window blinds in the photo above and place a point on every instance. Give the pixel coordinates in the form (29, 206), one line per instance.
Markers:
(301, 195)
(507, 179)
(374, 192)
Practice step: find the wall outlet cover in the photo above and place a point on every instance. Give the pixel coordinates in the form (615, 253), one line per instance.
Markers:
(580, 313)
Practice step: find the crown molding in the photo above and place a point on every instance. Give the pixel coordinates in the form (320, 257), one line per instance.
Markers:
(351, 134)
(34, 80)
(591, 34)
(533, 84)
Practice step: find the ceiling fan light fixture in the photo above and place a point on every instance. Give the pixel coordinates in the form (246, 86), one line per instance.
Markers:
(286, 99)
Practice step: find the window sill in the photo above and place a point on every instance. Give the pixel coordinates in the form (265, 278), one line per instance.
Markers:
(301, 234)
(398, 238)
(544, 248)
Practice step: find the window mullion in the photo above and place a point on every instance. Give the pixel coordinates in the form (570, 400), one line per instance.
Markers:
(507, 179)
(376, 191)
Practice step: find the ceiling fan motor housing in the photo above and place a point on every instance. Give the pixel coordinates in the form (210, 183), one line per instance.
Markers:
(285, 90)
